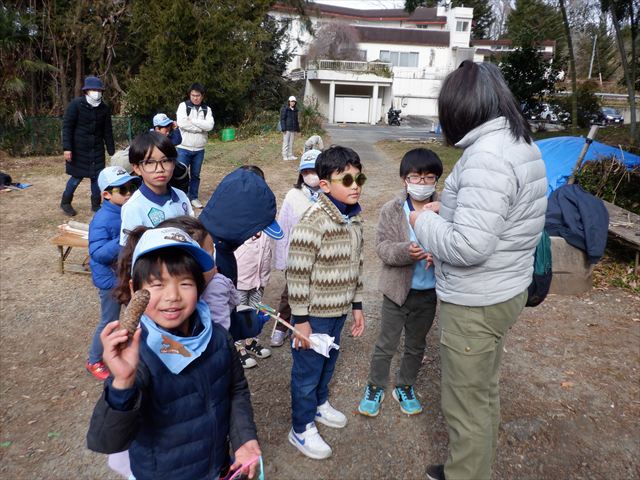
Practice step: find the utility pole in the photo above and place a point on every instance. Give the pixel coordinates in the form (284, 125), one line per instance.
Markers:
(593, 53)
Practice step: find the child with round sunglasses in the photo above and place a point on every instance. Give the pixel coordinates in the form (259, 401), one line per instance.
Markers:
(177, 393)
(324, 278)
(116, 186)
(407, 283)
(296, 202)
(153, 158)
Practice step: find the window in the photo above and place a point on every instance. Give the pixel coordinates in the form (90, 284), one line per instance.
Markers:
(399, 59)
(462, 26)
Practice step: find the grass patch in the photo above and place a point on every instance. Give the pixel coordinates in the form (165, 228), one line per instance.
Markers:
(448, 155)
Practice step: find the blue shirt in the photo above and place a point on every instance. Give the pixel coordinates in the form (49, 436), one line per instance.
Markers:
(150, 209)
(422, 279)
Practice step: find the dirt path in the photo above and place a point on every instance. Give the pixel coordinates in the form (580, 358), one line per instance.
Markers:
(570, 381)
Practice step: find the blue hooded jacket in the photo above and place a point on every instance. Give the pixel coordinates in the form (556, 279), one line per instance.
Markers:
(241, 206)
(104, 245)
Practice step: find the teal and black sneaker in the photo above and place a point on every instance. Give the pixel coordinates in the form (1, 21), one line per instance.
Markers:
(406, 397)
(370, 403)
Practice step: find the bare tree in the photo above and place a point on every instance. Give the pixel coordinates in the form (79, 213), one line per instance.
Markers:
(335, 41)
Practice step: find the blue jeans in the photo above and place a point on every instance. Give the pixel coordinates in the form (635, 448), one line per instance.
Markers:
(73, 183)
(109, 311)
(311, 374)
(193, 161)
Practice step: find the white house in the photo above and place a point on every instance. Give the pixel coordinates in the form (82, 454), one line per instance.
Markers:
(404, 59)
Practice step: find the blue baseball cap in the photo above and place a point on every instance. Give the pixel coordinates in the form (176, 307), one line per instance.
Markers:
(158, 238)
(114, 177)
(308, 159)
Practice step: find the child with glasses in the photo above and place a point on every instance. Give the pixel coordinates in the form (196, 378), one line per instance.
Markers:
(407, 283)
(116, 186)
(153, 158)
(324, 278)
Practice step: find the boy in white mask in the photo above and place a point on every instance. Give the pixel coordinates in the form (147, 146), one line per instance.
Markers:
(297, 201)
(407, 282)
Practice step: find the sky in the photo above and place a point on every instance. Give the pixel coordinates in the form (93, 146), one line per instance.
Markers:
(363, 4)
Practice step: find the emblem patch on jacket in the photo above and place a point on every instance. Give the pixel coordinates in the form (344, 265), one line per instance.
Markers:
(171, 346)
(156, 216)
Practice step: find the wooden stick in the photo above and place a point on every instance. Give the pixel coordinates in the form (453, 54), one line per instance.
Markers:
(277, 318)
(587, 143)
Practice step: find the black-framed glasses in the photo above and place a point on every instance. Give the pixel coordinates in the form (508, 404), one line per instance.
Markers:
(426, 179)
(151, 166)
(124, 190)
(348, 179)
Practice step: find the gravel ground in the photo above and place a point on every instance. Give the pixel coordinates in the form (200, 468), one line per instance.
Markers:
(570, 389)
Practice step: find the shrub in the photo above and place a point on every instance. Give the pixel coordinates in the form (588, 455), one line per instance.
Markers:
(310, 118)
(610, 180)
(258, 123)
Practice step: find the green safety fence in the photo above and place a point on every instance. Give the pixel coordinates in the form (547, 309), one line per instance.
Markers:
(43, 135)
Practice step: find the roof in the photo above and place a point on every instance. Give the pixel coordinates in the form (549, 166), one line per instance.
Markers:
(421, 15)
(406, 36)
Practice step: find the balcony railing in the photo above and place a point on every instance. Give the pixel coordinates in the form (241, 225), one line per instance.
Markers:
(379, 68)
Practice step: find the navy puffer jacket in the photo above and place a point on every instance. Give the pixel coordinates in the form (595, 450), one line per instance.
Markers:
(181, 424)
(289, 119)
(104, 245)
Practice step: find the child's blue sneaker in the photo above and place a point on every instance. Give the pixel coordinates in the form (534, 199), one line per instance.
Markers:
(370, 403)
(406, 397)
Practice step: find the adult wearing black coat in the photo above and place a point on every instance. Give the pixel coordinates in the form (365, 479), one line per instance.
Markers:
(289, 126)
(85, 132)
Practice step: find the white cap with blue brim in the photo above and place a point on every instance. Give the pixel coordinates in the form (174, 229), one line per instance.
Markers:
(114, 177)
(158, 238)
(308, 159)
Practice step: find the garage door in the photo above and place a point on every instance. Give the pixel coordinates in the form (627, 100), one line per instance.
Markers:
(350, 109)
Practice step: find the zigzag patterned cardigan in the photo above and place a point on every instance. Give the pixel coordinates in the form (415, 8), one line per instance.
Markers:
(324, 266)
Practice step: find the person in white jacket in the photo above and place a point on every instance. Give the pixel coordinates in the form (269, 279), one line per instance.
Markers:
(195, 120)
(490, 220)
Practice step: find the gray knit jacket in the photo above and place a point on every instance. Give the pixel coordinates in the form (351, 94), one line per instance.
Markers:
(392, 246)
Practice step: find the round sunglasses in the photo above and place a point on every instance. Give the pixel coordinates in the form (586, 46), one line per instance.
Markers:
(348, 179)
(126, 189)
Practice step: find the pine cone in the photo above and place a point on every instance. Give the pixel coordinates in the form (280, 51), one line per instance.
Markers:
(131, 317)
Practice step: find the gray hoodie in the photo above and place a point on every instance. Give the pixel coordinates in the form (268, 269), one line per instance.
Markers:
(491, 218)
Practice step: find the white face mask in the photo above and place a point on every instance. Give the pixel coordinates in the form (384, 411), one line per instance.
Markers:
(311, 179)
(420, 192)
(95, 95)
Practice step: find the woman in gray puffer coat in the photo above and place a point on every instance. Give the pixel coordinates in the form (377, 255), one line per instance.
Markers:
(491, 217)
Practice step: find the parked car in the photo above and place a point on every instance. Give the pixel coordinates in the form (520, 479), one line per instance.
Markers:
(607, 116)
(548, 113)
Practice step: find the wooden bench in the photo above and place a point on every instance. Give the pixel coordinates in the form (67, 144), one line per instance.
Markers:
(625, 225)
(65, 241)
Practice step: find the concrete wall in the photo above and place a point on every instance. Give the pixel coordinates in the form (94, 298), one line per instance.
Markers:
(416, 96)
(316, 91)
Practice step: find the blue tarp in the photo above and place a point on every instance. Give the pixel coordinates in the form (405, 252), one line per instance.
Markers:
(560, 154)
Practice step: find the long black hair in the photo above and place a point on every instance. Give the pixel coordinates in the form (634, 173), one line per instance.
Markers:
(474, 94)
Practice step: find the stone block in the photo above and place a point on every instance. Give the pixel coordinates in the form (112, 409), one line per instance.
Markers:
(572, 273)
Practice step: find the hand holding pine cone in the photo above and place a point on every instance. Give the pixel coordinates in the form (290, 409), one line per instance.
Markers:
(131, 317)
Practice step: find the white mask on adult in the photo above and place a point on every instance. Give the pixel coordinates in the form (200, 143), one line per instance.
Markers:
(420, 192)
(311, 180)
(94, 97)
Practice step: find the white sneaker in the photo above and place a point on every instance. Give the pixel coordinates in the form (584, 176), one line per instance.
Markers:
(293, 158)
(278, 338)
(195, 203)
(329, 416)
(310, 443)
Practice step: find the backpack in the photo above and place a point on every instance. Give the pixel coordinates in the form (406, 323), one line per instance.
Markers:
(202, 105)
(542, 272)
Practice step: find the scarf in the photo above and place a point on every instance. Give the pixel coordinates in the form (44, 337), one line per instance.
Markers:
(175, 352)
